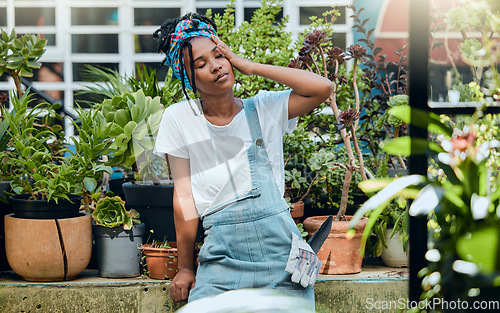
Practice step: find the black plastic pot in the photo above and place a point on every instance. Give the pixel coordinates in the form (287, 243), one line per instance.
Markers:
(43, 209)
(117, 250)
(155, 205)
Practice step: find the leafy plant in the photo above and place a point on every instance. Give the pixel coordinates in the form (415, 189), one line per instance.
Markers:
(110, 212)
(133, 120)
(34, 161)
(109, 83)
(461, 198)
(133, 110)
(92, 144)
(19, 56)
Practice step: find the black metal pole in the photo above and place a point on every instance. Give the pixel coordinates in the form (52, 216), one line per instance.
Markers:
(418, 92)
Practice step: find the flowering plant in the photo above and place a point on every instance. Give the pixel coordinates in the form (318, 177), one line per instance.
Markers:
(460, 196)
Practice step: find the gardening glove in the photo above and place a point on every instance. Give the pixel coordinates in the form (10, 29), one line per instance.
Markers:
(302, 263)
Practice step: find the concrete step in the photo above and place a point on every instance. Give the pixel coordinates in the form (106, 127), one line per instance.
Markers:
(369, 291)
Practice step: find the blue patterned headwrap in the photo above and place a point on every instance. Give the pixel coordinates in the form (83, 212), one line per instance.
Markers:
(185, 29)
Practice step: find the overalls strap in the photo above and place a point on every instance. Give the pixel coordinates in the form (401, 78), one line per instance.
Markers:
(253, 120)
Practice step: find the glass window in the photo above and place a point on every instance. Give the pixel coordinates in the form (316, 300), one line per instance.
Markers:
(161, 71)
(3, 17)
(50, 96)
(306, 12)
(35, 16)
(94, 43)
(51, 38)
(80, 69)
(339, 40)
(154, 16)
(144, 44)
(94, 16)
(49, 72)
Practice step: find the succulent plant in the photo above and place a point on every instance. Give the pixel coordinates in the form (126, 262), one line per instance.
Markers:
(123, 114)
(110, 212)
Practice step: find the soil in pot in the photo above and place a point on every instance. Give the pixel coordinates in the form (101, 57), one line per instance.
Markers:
(161, 263)
(340, 253)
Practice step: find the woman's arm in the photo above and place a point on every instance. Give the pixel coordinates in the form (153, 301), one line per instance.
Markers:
(308, 89)
(186, 226)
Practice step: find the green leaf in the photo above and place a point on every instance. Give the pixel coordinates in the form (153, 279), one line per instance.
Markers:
(405, 146)
(420, 118)
(385, 195)
(129, 128)
(122, 117)
(482, 248)
(90, 183)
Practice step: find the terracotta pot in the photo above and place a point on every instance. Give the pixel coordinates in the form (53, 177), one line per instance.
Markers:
(161, 263)
(297, 211)
(48, 250)
(340, 253)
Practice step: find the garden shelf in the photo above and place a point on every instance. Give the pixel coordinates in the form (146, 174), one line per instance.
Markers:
(91, 293)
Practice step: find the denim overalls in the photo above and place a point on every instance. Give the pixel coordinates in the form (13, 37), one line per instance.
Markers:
(248, 242)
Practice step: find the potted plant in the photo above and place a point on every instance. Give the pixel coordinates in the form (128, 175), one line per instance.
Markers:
(317, 52)
(18, 57)
(160, 259)
(133, 110)
(46, 178)
(46, 239)
(461, 199)
(134, 120)
(118, 235)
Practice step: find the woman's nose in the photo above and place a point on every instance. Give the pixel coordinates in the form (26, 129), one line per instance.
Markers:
(216, 66)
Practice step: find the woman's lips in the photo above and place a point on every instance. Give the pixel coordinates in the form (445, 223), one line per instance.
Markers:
(220, 76)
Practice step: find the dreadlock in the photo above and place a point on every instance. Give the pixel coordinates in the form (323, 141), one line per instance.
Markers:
(163, 35)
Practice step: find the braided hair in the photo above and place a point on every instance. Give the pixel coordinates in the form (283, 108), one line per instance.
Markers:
(163, 37)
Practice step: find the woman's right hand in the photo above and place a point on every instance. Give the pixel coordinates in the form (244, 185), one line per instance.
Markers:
(182, 283)
(241, 64)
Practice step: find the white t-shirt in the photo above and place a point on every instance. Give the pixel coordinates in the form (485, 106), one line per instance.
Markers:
(220, 170)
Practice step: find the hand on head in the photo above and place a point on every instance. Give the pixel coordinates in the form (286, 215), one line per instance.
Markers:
(241, 64)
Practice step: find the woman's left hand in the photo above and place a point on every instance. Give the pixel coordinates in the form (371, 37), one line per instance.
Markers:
(241, 64)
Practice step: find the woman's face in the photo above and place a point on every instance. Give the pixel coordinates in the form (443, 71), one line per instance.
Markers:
(212, 71)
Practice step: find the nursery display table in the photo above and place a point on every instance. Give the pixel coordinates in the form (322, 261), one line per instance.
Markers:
(362, 292)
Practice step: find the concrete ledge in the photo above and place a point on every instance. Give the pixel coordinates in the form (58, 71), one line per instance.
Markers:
(92, 294)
